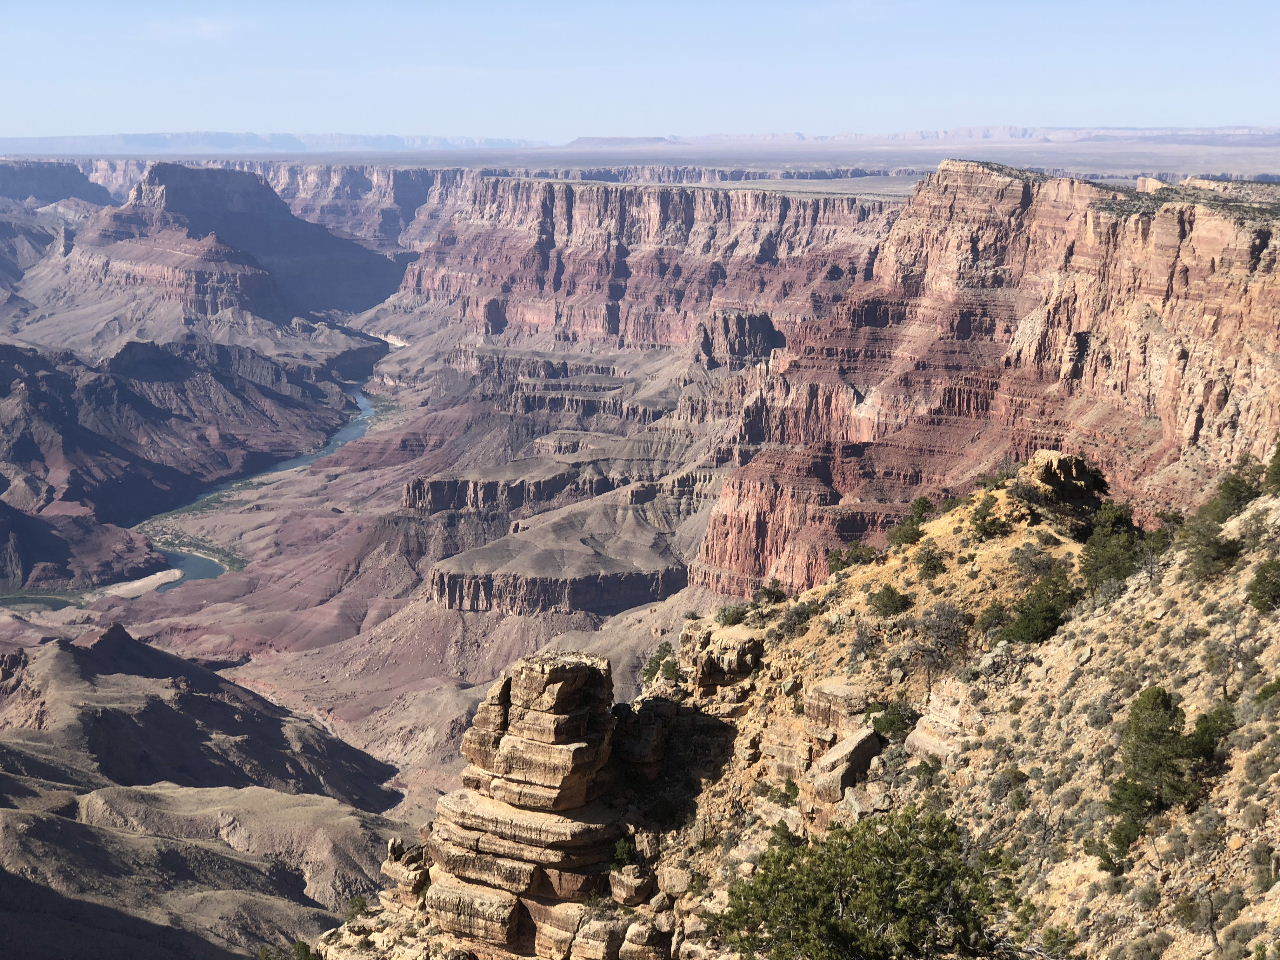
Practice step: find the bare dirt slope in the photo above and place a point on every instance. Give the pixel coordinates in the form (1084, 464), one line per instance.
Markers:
(157, 804)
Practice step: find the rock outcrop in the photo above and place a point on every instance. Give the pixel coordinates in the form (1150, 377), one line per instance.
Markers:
(515, 859)
(526, 841)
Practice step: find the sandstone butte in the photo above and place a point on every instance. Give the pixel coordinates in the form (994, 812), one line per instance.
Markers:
(518, 860)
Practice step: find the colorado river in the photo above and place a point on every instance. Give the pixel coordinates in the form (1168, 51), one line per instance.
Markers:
(197, 566)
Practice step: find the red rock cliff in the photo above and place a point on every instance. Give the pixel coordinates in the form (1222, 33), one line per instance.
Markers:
(1009, 312)
(633, 264)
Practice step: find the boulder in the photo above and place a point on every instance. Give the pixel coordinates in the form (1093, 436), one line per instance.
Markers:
(631, 885)
(473, 912)
(844, 764)
(644, 941)
(719, 658)
(674, 880)
(832, 706)
(597, 940)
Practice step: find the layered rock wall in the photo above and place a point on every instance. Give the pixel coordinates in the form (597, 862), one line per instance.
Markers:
(634, 264)
(1008, 312)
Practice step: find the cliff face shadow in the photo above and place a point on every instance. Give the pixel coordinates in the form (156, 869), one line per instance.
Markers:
(697, 747)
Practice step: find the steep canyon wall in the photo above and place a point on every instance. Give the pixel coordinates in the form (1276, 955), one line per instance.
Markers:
(1010, 312)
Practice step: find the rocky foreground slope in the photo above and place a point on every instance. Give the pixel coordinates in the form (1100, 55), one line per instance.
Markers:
(834, 707)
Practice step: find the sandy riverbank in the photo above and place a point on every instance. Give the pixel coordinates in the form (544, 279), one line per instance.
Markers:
(136, 588)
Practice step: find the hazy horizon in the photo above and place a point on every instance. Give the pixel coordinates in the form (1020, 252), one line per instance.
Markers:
(554, 71)
(782, 137)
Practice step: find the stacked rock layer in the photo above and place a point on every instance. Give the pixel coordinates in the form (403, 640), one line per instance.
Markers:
(527, 841)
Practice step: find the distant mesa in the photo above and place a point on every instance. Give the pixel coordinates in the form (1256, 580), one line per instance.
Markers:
(592, 142)
(223, 143)
(48, 183)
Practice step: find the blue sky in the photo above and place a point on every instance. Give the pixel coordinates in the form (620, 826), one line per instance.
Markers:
(562, 68)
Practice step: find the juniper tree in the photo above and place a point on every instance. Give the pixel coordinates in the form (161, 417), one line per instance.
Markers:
(897, 887)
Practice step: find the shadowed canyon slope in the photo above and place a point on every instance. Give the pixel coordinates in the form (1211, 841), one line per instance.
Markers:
(85, 445)
(200, 250)
(142, 791)
(174, 383)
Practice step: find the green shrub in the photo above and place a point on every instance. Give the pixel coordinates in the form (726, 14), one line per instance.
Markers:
(906, 533)
(624, 852)
(661, 655)
(893, 720)
(930, 560)
(997, 480)
(1271, 479)
(921, 507)
(1058, 942)
(903, 885)
(1033, 562)
(1041, 611)
(771, 592)
(1238, 487)
(1264, 589)
(299, 951)
(1267, 691)
(946, 626)
(986, 525)
(993, 616)
(1209, 553)
(732, 615)
(855, 555)
(1029, 493)
(889, 601)
(1163, 767)
(357, 907)
(1114, 548)
(784, 796)
(1005, 782)
(797, 616)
